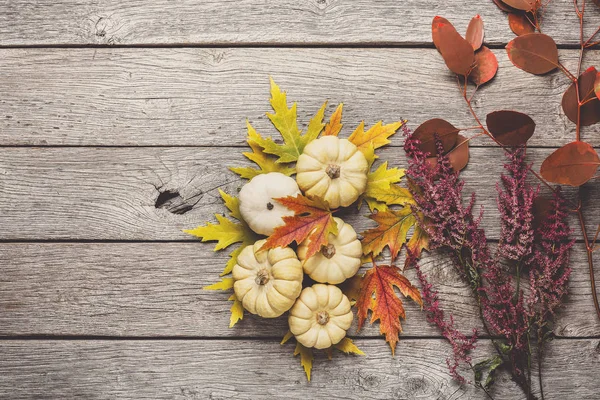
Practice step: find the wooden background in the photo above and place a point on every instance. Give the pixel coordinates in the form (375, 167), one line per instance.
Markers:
(105, 104)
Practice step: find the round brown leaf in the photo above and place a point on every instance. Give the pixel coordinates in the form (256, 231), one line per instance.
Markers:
(597, 84)
(525, 5)
(475, 32)
(597, 2)
(535, 53)
(455, 50)
(503, 6)
(458, 156)
(573, 164)
(510, 128)
(486, 66)
(520, 24)
(590, 111)
(427, 131)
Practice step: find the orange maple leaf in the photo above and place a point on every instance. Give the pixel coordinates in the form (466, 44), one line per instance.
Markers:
(334, 126)
(386, 306)
(392, 231)
(312, 220)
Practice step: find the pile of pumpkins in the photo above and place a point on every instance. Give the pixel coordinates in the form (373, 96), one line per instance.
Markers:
(269, 282)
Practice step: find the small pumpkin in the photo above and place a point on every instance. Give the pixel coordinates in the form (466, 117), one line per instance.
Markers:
(321, 316)
(333, 169)
(267, 282)
(258, 206)
(337, 261)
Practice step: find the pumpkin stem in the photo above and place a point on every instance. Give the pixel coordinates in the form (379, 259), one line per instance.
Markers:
(333, 171)
(262, 277)
(270, 206)
(322, 317)
(328, 251)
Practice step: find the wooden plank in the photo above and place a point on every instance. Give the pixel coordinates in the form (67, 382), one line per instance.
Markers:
(154, 289)
(108, 22)
(111, 193)
(191, 369)
(202, 97)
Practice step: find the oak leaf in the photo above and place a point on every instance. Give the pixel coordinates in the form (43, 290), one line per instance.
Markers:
(378, 295)
(377, 136)
(265, 162)
(334, 126)
(285, 121)
(312, 221)
(392, 231)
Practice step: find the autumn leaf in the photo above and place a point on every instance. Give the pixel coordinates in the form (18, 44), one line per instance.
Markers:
(589, 112)
(334, 126)
(456, 51)
(285, 121)
(535, 53)
(418, 242)
(520, 23)
(475, 32)
(347, 346)
(381, 190)
(485, 68)
(313, 221)
(237, 311)
(377, 136)
(265, 162)
(392, 231)
(378, 295)
(510, 128)
(224, 284)
(573, 164)
(306, 358)
(351, 288)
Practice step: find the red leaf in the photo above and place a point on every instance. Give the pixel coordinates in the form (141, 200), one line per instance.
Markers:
(475, 32)
(589, 113)
(486, 66)
(312, 221)
(573, 164)
(525, 5)
(386, 307)
(510, 128)
(504, 7)
(520, 24)
(427, 131)
(457, 52)
(597, 84)
(597, 2)
(458, 156)
(535, 53)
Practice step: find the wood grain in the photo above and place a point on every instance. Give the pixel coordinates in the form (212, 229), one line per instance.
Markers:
(283, 22)
(111, 193)
(155, 289)
(192, 369)
(202, 97)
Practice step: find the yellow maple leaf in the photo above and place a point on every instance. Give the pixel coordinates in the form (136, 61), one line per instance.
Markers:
(394, 195)
(237, 311)
(224, 284)
(265, 162)
(381, 179)
(285, 121)
(287, 337)
(392, 231)
(225, 232)
(378, 135)
(347, 346)
(334, 126)
(306, 358)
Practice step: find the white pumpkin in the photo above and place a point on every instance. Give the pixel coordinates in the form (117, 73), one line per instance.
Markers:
(333, 169)
(337, 261)
(321, 316)
(267, 282)
(259, 209)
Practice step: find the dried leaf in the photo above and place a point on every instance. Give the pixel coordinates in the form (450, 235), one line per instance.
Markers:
(486, 66)
(520, 24)
(224, 284)
(458, 156)
(597, 84)
(489, 368)
(535, 53)
(418, 242)
(455, 50)
(573, 164)
(510, 128)
(377, 136)
(394, 195)
(475, 32)
(428, 130)
(347, 346)
(351, 287)
(589, 112)
(306, 358)
(237, 311)
(265, 162)
(312, 221)
(524, 5)
(504, 7)
(285, 121)
(386, 306)
(379, 183)
(392, 231)
(287, 337)
(334, 126)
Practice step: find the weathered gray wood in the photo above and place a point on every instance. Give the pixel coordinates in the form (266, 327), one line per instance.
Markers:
(132, 96)
(192, 369)
(155, 289)
(273, 22)
(111, 193)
